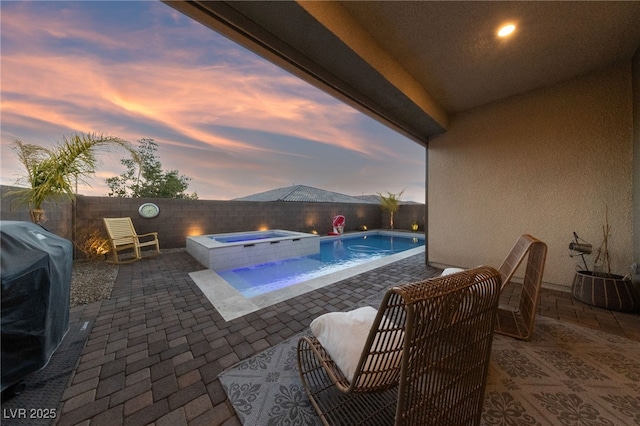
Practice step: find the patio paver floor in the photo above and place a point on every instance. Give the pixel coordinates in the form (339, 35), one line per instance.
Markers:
(157, 346)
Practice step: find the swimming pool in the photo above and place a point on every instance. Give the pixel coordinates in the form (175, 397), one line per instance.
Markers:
(250, 236)
(232, 304)
(334, 255)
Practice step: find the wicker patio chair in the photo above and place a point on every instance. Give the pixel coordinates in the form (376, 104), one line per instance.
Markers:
(425, 359)
(123, 236)
(519, 321)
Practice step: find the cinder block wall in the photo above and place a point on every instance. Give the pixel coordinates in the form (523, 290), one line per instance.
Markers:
(60, 215)
(181, 218)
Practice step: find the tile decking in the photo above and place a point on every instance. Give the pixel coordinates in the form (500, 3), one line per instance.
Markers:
(157, 346)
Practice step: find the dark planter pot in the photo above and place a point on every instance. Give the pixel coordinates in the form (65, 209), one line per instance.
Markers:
(608, 292)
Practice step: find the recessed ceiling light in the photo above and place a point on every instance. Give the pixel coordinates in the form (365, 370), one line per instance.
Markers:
(506, 30)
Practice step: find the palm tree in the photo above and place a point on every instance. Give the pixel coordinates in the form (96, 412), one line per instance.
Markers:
(52, 173)
(390, 203)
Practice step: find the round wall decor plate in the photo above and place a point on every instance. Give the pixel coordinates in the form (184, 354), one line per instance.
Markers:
(149, 210)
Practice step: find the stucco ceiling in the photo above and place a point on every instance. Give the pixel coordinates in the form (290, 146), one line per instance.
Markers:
(412, 65)
(452, 50)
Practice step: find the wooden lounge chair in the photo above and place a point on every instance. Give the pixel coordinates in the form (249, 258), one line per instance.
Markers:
(424, 360)
(123, 236)
(518, 322)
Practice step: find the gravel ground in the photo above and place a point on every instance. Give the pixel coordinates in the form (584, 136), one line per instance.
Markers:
(92, 280)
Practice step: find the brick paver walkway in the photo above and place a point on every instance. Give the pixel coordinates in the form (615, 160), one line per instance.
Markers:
(157, 346)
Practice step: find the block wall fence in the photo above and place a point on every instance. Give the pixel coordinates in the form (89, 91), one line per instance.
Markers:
(181, 218)
(60, 215)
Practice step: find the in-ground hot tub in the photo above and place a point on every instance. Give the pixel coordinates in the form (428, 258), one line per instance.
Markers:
(234, 250)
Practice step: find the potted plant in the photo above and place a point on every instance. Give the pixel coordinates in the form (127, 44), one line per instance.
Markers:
(599, 287)
(52, 173)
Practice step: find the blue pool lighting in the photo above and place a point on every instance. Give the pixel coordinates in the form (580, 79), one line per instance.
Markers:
(335, 254)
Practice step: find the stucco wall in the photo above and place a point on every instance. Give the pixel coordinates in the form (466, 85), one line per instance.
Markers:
(545, 163)
(636, 162)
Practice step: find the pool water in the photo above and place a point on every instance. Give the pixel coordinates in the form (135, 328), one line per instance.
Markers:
(335, 255)
(248, 237)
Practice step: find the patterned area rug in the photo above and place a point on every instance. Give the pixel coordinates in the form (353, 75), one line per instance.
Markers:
(566, 375)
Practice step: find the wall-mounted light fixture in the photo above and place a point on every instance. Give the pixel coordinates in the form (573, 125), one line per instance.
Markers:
(506, 30)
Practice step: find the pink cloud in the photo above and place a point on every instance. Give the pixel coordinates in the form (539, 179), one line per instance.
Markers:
(169, 89)
(175, 91)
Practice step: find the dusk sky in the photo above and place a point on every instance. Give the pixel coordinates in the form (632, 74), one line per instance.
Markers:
(232, 121)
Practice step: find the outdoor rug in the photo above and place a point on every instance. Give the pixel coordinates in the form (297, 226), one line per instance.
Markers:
(566, 375)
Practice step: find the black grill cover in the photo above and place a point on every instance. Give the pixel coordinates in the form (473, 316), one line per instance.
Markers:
(35, 266)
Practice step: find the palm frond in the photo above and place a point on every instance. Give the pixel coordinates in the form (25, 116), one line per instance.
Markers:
(52, 173)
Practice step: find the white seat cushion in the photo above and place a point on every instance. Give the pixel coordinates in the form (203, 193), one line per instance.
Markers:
(344, 334)
(449, 271)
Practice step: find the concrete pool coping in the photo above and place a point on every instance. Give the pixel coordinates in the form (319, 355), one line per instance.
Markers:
(231, 304)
